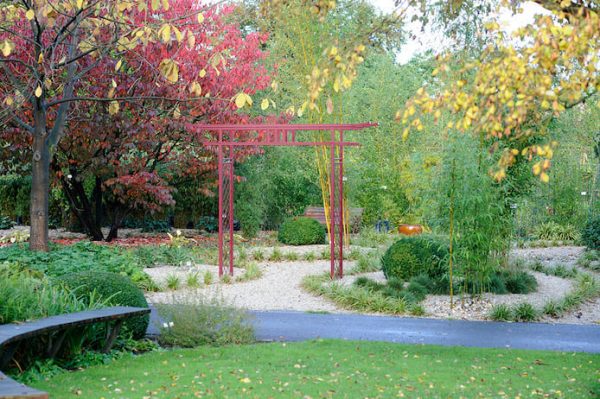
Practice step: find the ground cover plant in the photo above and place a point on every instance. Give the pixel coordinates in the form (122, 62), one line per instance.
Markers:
(332, 368)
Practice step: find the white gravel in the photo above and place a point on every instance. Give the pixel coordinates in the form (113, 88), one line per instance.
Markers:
(278, 289)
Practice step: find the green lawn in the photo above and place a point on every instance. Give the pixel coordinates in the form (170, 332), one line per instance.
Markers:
(336, 369)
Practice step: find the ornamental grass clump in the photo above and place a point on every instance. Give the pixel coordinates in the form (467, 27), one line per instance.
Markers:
(193, 320)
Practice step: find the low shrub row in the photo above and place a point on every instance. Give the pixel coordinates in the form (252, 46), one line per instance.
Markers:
(586, 287)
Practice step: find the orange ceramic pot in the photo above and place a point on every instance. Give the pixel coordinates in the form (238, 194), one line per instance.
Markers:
(410, 229)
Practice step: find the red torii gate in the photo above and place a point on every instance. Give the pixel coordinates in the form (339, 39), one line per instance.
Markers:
(283, 135)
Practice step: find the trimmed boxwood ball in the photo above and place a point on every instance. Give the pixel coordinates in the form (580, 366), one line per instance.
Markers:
(413, 256)
(590, 236)
(302, 231)
(117, 289)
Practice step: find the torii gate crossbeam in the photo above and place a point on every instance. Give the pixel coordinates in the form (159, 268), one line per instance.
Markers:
(283, 135)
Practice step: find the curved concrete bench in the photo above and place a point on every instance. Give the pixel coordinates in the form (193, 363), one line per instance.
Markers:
(11, 336)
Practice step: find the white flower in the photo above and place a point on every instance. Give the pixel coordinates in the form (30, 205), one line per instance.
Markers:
(69, 176)
(171, 324)
(384, 187)
(165, 325)
(178, 232)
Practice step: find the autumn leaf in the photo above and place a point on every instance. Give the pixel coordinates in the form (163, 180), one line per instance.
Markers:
(30, 14)
(200, 18)
(264, 104)
(38, 92)
(170, 70)
(113, 108)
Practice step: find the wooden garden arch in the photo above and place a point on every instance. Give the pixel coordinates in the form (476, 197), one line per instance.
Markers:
(282, 135)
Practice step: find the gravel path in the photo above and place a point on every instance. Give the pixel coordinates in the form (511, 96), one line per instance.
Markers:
(278, 289)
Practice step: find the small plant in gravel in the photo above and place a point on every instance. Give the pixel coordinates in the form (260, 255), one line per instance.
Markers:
(276, 255)
(537, 266)
(242, 255)
(552, 309)
(325, 254)
(193, 280)
(310, 256)
(354, 254)
(501, 312)
(258, 255)
(173, 282)
(525, 312)
(291, 256)
(226, 279)
(367, 263)
(207, 277)
(252, 272)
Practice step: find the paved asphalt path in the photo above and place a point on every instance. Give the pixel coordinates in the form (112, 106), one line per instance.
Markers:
(300, 326)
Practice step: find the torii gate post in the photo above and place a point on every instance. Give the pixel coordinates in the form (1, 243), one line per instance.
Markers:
(282, 135)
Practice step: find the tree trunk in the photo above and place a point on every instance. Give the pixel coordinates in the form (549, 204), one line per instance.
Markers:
(40, 186)
(81, 207)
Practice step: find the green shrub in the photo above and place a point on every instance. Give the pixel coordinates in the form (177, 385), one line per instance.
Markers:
(590, 236)
(194, 321)
(301, 231)
(210, 224)
(117, 290)
(501, 312)
(155, 226)
(412, 256)
(6, 223)
(28, 296)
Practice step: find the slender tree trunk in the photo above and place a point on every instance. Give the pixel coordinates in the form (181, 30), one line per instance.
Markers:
(114, 226)
(40, 186)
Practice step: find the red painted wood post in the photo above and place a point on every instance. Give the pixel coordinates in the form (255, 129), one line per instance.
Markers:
(332, 205)
(341, 200)
(220, 161)
(231, 209)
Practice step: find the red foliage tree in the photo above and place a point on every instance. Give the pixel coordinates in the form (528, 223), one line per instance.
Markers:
(132, 157)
